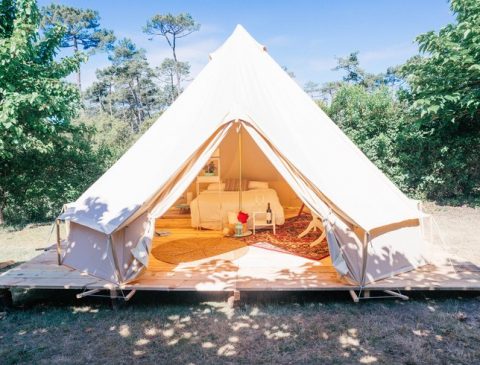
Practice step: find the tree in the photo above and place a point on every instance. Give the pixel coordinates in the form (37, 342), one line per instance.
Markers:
(39, 146)
(351, 65)
(82, 29)
(312, 89)
(172, 28)
(443, 89)
(372, 120)
(126, 88)
(167, 72)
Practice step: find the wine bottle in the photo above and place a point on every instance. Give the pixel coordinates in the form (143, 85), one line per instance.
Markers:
(269, 214)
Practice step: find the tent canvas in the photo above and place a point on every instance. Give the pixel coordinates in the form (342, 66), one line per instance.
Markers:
(374, 230)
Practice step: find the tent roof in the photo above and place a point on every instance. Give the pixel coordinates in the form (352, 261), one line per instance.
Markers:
(242, 81)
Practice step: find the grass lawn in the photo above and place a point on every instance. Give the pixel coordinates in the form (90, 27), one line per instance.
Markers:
(51, 327)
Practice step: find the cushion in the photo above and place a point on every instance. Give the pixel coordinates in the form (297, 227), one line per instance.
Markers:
(216, 186)
(252, 185)
(233, 185)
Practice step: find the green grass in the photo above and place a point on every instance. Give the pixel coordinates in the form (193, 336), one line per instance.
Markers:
(189, 329)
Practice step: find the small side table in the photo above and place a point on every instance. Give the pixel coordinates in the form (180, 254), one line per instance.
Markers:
(260, 220)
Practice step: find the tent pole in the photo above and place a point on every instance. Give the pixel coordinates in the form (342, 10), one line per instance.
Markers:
(240, 166)
(59, 252)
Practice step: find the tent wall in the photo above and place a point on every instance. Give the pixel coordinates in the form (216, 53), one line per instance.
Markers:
(89, 251)
(134, 238)
(394, 252)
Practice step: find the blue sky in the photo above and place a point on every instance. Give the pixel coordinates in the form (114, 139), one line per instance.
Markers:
(305, 36)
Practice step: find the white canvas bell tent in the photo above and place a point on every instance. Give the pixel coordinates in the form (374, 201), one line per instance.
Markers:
(373, 229)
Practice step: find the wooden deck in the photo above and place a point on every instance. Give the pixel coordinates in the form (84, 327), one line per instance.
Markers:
(243, 269)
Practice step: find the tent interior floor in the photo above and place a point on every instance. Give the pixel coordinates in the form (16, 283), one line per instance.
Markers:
(244, 268)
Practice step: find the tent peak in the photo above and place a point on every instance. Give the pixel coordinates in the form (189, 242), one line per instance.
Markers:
(240, 40)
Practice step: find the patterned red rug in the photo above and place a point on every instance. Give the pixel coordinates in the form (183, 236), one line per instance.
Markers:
(286, 239)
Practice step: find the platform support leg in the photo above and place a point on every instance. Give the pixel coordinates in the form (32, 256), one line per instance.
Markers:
(366, 294)
(395, 294)
(354, 296)
(6, 299)
(113, 299)
(234, 298)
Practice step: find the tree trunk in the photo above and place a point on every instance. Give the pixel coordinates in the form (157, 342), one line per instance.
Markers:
(110, 99)
(79, 78)
(2, 220)
(177, 70)
(136, 111)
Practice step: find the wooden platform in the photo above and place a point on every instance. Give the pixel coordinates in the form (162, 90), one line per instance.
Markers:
(243, 269)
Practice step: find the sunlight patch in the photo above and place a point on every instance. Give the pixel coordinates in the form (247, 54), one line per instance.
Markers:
(207, 345)
(169, 333)
(226, 350)
(151, 331)
(421, 333)
(346, 341)
(142, 342)
(124, 330)
(239, 325)
(368, 359)
(277, 335)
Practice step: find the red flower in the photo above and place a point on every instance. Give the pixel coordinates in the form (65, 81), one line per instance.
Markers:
(242, 217)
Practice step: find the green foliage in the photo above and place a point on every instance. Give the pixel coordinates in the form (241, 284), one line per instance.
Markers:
(126, 89)
(82, 27)
(44, 160)
(36, 104)
(444, 85)
(444, 94)
(372, 120)
(173, 27)
(166, 74)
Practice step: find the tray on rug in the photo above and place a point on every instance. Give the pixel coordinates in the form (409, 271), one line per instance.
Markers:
(286, 240)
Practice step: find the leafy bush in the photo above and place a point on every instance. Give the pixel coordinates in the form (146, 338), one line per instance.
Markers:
(372, 120)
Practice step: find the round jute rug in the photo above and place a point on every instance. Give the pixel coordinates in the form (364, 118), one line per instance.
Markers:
(188, 249)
